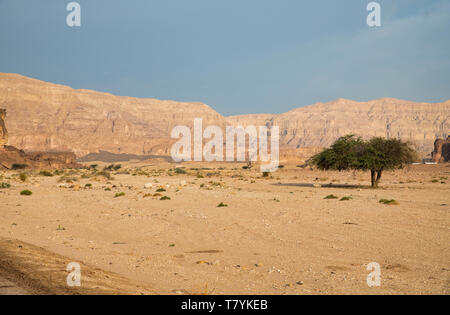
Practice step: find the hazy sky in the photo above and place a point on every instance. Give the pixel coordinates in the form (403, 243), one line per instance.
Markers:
(238, 56)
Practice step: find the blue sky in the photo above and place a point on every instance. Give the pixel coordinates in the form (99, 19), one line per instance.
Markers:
(238, 56)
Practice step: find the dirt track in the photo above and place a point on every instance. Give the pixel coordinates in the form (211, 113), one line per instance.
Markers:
(28, 269)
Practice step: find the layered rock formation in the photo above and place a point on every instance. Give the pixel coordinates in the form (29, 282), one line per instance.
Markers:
(45, 116)
(319, 125)
(441, 151)
(3, 131)
(11, 157)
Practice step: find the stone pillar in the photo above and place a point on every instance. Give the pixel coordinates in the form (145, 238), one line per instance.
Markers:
(3, 131)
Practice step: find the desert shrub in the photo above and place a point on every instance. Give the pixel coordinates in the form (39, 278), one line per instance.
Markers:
(26, 193)
(19, 166)
(58, 172)
(67, 179)
(117, 195)
(4, 185)
(222, 205)
(180, 171)
(331, 197)
(105, 174)
(160, 190)
(23, 176)
(46, 173)
(107, 189)
(88, 185)
(108, 168)
(93, 166)
(164, 198)
(265, 174)
(346, 198)
(390, 202)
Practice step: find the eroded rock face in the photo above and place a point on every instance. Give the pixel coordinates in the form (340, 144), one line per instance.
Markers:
(319, 125)
(11, 156)
(3, 131)
(50, 117)
(441, 151)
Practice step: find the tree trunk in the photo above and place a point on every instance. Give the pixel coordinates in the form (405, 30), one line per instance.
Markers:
(377, 181)
(373, 178)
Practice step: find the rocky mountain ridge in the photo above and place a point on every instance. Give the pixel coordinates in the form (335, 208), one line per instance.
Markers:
(50, 117)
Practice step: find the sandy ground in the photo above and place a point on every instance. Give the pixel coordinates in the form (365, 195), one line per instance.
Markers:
(277, 235)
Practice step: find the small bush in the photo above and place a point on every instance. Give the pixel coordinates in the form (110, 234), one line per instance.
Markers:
(164, 198)
(331, 197)
(26, 193)
(58, 172)
(23, 177)
(388, 202)
(19, 166)
(105, 174)
(180, 171)
(4, 185)
(46, 173)
(222, 205)
(346, 198)
(160, 190)
(67, 179)
(88, 186)
(265, 174)
(117, 195)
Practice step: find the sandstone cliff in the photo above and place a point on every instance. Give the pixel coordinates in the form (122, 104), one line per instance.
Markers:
(11, 156)
(45, 116)
(320, 124)
(441, 151)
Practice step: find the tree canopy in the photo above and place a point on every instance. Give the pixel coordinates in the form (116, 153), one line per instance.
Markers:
(377, 154)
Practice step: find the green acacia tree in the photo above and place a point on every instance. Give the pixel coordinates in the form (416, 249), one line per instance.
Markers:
(376, 155)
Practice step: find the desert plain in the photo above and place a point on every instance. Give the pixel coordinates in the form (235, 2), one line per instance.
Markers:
(153, 227)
